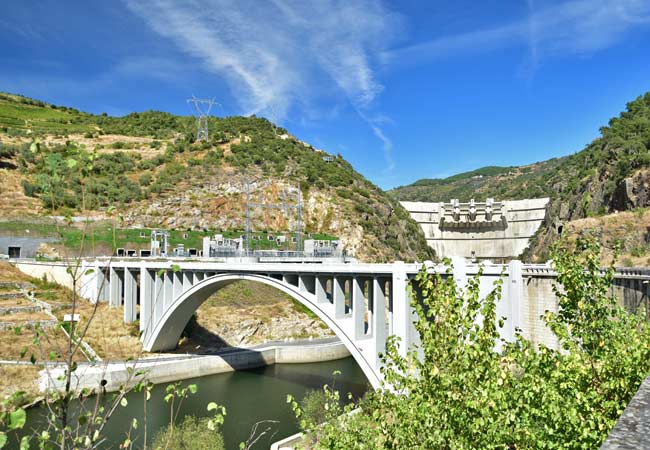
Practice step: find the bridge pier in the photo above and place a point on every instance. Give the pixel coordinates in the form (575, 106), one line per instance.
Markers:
(146, 300)
(321, 289)
(338, 294)
(130, 296)
(116, 284)
(358, 307)
(402, 316)
(378, 317)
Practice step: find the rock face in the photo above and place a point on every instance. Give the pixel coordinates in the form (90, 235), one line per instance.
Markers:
(632, 192)
(245, 314)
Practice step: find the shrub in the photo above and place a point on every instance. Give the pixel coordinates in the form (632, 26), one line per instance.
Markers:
(474, 390)
(191, 434)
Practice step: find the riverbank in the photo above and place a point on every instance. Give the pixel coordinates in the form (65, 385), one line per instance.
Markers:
(170, 368)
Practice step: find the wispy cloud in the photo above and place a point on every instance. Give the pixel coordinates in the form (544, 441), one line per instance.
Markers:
(574, 27)
(282, 54)
(274, 53)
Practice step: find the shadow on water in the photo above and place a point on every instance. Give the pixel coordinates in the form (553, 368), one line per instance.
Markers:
(241, 358)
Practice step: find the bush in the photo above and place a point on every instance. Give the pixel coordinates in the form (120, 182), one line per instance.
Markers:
(313, 407)
(191, 434)
(468, 394)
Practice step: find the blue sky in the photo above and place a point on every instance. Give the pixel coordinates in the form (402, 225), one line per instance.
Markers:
(402, 89)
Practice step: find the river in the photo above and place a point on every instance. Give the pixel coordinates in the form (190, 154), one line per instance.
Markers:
(249, 396)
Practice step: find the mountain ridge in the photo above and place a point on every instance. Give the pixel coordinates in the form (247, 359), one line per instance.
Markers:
(610, 174)
(150, 168)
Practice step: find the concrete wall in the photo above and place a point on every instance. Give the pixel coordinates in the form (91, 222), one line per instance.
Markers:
(28, 246)
(502, 234)
(56, 272)
(538, 297)
(166, 369)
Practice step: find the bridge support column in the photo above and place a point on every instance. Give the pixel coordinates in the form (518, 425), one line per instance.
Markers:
(358, 307)
(130, 296)
(514, 297)
(338, 292)
(321, 290)
(158, 299)
(177, 280)
(115, 295)
(307, 283)
(188, 279)
(378, 317)
(401, 307)
(146, 300)
(101, 286)
(168, 289)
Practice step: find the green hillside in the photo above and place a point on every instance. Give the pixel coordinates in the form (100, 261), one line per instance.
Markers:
(70, 161)
(610, 174)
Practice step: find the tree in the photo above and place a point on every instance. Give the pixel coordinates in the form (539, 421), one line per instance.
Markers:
(467, 388)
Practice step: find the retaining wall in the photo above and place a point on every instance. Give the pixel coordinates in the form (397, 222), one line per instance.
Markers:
(167, 369)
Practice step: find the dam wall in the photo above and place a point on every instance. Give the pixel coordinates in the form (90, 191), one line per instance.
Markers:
(493, 230)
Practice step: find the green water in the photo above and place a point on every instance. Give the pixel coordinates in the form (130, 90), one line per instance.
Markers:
(249, 396)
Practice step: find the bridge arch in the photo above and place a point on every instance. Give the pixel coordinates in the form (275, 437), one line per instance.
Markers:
(166, 332)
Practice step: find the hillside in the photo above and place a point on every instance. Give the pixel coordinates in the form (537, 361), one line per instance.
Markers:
(610, 174)
(57, 160)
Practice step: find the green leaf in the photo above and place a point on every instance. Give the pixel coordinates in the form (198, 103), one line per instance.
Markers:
(212, 406)
(3, 439)
(124, 402)
(17, 419)
(193, 389)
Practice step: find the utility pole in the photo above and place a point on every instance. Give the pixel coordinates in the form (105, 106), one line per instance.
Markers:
(202, 109)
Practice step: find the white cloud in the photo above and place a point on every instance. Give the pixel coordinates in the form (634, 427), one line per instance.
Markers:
(573, 27)
(280, 54)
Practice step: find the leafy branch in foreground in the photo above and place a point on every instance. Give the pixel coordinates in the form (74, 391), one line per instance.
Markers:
(470, 389)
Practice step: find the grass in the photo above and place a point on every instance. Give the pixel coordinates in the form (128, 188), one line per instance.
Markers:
(99, 237)
(107, 334)
(25, 116)
(19, 378)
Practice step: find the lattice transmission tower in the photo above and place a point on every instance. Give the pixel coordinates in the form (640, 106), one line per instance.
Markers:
(202, 107)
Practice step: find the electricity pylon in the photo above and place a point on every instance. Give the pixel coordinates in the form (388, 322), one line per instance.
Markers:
(202, 106)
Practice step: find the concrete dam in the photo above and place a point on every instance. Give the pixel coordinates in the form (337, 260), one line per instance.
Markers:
(492, 230)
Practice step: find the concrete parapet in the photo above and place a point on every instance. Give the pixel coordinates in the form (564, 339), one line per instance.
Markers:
(632, 431)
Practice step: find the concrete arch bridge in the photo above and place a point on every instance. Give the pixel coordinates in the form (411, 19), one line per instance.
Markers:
(362, 303)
